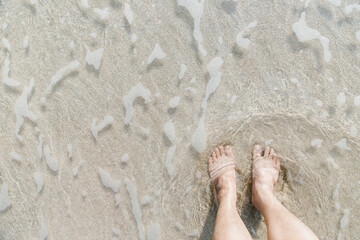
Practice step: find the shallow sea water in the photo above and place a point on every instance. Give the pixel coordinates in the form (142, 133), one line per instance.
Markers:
(256, 77)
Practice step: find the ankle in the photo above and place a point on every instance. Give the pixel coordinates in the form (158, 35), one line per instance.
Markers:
(226, 192)
(263, 198)
(267, 203)
(227, 198)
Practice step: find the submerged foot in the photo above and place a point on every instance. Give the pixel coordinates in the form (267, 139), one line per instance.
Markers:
(265, 172)
(222, 173)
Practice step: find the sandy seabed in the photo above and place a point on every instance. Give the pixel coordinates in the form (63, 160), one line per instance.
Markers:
(110, 110)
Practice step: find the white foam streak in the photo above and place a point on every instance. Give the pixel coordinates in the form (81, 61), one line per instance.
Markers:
(21, 109)
(195, 8)
(5, 74)
(240, 40)
(132, 190)
(136, 91)
(96, 129)
(5, 201)
(305, 33)
(60, 74)
(157, 53)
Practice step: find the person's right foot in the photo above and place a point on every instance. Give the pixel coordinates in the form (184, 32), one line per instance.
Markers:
(222, 173)
(265, 172)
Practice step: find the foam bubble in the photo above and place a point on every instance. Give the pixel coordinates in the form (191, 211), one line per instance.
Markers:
(21, 109)
(84, 3)
(69, 149)
(157, 53)
(349, 8)
(133, 39)
(179, 226)
(145, 200)
(6, 44)
(40, 146)
(183, 69)
(195, 9)
(43, 230)
(345, 219)
(336, 3)
(26, 41)
(136, 91)
(169, 130)
(116, 231)
(153, 231)
(5, 201)
(316, 142)
(15, 156)
(132, 190)
(94, 57)
(357, 100)
(102, 13)
(191, 89)
(50, 161)
(341, 98)
(39, 180)
(168, 164)
(305, 33)
(96, 129)
(128, 13)
(125, 158)
(213, 68)
(60, 74)
(220, 40)
(332, 162)
(342, 144)
(319, 102)
(146, 131)
(117, 199)
(199, 137)
(76, 169)
(240, 40)
(107, 181)
(174, 102)
(5, 74)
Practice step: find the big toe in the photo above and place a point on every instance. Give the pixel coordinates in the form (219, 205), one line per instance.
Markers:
(228, 151)
(222, 150)
(257, 151)
(277, 162)
(210, 161)
(214, 158)
(272, 152)
(217, 152)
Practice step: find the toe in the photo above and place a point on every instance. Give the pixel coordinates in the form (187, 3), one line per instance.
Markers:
(228, 151)
(217, 152)
(277, 162)
(222, 150)
(210, 161)
(272, 152)
(257, 150)
(274, 157)
(267, 151)
(213, 156)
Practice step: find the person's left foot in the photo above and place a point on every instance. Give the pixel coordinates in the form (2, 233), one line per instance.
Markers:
(222, 173)
(265, 172)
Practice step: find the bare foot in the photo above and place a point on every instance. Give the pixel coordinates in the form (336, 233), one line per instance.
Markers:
(265, 172)
(222, 173)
